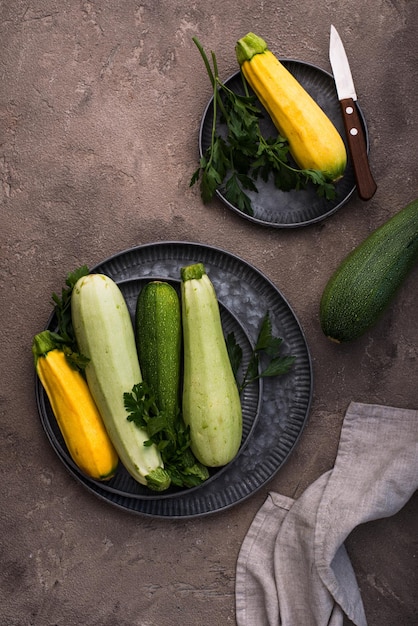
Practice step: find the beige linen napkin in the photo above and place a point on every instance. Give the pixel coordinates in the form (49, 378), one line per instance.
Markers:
(293, 569)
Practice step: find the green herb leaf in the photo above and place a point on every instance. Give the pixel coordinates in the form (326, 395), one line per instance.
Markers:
(236, 196)
(278, 365)
(62, 309)
(265, 334)
(234, 353)
(62, 306)
(265, 360)
(75, 359)
(171, 438)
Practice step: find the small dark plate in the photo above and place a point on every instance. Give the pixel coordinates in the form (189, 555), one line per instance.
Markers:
(274, 412)
(291, 209)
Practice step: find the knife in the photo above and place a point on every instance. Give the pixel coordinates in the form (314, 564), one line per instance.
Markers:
(347, 96)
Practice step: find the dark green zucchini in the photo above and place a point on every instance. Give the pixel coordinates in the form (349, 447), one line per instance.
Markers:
(158, 339)
(369, 277)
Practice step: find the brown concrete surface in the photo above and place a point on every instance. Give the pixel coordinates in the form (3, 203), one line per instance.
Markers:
(100, 108)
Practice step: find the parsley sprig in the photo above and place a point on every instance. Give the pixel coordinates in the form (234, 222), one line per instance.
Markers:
(62, 308)
(62, 305)
(172, 437)
(266, 359)
(239, 154)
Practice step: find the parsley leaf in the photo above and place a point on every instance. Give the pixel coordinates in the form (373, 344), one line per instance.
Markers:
(62, 308)
(236, 196)
(265, 360)
(234, 352)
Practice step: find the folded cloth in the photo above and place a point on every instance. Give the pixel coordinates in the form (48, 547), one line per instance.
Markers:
(293, 569)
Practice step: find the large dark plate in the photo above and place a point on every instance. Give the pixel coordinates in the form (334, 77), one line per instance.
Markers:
(279, 209)
(274, 411)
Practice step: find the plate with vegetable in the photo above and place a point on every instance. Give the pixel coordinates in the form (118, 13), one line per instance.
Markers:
(251, 166)
(267, 352)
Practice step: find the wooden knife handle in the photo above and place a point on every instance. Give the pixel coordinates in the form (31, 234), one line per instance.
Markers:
(356, 140)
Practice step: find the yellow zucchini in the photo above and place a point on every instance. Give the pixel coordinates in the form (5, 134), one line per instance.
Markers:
(77, 415)
(314, 142)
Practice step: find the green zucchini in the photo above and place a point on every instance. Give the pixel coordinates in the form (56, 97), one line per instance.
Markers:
(104, 333)
(368, 278)
(211, 402)
(158, 340)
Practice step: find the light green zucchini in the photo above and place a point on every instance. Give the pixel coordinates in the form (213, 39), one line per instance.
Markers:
(104, 333)
(211, 402)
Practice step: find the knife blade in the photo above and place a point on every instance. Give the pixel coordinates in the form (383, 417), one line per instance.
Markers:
(356, 140)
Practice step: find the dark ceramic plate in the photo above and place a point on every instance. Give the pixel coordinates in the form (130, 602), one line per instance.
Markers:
(291, 209)
(274, 412)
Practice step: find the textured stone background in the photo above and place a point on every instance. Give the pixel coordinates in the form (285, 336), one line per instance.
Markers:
(100, 109)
